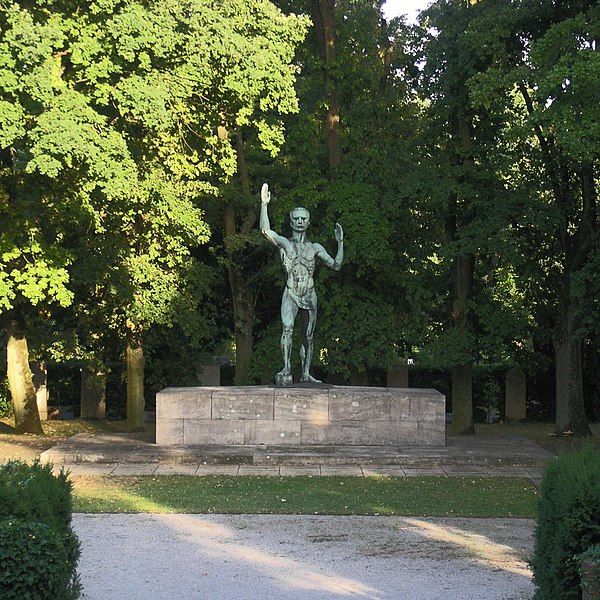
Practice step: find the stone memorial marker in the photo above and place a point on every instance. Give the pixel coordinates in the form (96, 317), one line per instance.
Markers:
(209, 374)
(515, 395)
(93, 394)
(397, 376)
(40, 383)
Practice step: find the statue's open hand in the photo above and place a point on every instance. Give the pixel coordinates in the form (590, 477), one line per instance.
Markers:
(265, 194)
(339, 233)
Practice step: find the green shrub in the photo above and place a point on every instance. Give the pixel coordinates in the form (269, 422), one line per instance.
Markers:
(568, 523)
(34, 563)
(32, 494)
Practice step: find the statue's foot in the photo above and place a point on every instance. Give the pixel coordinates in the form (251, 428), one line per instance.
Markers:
(283, 379)
(310, 379)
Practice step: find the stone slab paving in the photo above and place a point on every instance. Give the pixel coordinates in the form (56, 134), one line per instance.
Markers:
(168, 469)
(341, 470)
(384, 471)
(127, 469)
(135, 469)
(82, 470)
(416, 472)
(272, 471)
(217, 470)
(303, 557)
(287, 471)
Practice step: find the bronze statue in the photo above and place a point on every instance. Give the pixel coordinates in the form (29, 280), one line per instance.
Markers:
(298, 257)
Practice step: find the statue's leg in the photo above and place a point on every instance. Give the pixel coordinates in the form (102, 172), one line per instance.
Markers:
(289, 310)
(305, 315)
(307, 349)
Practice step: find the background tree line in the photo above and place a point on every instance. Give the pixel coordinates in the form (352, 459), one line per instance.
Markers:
(459, 154)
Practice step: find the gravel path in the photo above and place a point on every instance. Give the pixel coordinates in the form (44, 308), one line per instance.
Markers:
(189, 557)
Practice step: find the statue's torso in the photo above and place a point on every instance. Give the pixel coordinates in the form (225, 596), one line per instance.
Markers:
(299, 263)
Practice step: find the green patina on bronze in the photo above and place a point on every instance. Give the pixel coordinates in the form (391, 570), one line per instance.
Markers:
(298, 257)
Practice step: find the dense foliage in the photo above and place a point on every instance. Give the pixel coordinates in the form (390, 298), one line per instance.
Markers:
(568, 523)
(459, 154)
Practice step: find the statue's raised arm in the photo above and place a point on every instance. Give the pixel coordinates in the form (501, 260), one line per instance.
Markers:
(265, 227)
(333, 263)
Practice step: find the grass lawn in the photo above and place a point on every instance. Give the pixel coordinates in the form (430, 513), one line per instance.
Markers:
(415, 496)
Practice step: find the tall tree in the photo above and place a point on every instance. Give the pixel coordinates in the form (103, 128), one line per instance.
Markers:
(549, 58)
(449, 63)
(46, 130)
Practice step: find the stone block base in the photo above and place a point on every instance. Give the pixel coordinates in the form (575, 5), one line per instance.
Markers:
(335, 416)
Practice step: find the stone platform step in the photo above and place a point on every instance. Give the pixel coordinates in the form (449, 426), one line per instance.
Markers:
(86, 448)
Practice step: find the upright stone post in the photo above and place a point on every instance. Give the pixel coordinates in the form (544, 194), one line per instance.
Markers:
(397, 375)
(93, 393)
(209, 374)
(515, 395)
(40, 383)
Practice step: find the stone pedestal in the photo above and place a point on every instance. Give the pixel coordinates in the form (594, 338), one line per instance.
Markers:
(40, 383)
(333, 416)
(93, 394)
(397, 376)
(515, 395)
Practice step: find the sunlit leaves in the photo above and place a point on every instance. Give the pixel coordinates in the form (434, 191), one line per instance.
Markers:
(33, 271)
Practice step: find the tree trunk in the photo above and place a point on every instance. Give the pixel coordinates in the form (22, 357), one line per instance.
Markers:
(462, 400)
(570, 408)
(135, 382)
(575, 248)
(462, 389)
(462, 374)
(324, 20)
(27, 418)
(241, 292)
(243, 313)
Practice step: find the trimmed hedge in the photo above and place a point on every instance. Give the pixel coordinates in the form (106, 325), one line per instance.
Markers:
(568, 523)
(34, 563)
(36, 535)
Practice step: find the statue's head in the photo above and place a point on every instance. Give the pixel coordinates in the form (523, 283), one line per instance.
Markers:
(299, 219)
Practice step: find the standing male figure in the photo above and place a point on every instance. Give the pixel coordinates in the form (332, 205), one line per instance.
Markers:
(298, 257)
